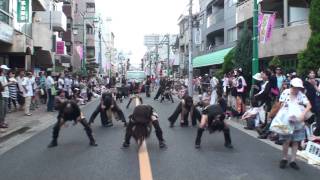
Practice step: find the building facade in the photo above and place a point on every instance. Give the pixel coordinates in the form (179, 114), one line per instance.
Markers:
(291, 30)
(29, 32)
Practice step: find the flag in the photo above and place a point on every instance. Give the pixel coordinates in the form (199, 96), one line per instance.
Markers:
(265, 25)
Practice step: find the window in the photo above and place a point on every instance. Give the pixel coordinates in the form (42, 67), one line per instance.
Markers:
(90, 7)
(232, 34)
(232, 2)
(4, 11)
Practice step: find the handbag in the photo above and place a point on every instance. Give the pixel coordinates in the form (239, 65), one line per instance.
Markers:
(53, 91)
(281, 124)
(275, 91)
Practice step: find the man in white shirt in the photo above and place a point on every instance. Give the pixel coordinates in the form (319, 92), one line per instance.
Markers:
(27, 85)
(50, 84)
(5, 96)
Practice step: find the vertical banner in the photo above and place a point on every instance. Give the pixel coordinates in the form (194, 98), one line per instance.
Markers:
(23, 11)
(266, 23)
(80, 51)
(60, 47)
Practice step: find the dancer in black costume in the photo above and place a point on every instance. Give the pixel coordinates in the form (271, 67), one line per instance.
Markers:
(70, 111)
(185, 108)
(140, 126)
(107, 104)
(213, 118)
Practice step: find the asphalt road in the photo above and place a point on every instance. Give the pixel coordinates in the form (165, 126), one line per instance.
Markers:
(75, 159)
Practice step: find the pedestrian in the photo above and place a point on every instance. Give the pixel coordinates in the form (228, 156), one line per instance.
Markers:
(213, 118)
(50, 86)
(139, 126)
(13, 91)
(4, 95)
(293, 97)
(27, 85)
(70, 111)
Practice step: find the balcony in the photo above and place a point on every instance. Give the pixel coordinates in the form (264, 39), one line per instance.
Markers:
(215, 18)
(90, 40)
(244, 11)
(57, 18)
(289, 40)
(44, 41)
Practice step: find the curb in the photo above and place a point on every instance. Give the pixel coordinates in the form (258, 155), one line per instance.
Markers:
(18, 135)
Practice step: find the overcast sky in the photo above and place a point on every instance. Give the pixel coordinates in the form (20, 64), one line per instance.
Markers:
(132, 19)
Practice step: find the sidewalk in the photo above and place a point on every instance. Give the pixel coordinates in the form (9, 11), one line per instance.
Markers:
(19, 123)
(22, 127)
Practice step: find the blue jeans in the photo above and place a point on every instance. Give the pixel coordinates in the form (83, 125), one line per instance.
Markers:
(50, 104)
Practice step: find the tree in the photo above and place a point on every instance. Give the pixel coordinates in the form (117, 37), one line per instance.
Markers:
(227, 66)
(243, 53)
(309, 59)
(275, 62)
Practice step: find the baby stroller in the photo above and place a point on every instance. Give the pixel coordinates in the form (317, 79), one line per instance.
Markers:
(166, 94)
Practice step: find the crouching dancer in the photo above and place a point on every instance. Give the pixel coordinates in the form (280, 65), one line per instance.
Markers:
(106, 108)
(70, 111)
(213, 118)
(140, 126)
(185, 108)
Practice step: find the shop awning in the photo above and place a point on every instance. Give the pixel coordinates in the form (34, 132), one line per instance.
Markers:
(211, 59)
(42, 59)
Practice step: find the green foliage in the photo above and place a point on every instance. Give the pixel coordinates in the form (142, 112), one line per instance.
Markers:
(314, 16)
(309, 59)
(228, 63)
(275, 62)
(243, 53)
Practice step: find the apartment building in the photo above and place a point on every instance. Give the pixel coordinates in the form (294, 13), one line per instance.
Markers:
(84, 31)
(29, 32)
(291, 30)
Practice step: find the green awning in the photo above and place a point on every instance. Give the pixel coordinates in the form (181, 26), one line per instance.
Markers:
(211, 59)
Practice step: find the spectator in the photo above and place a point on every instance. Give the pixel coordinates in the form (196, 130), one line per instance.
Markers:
(280, 77)
(61, 83)
(21, 92)
(50, 91)
(294, 95)
(28, 84)
(42, 87)
(241, 86)
(13, 91)
(312, 87)
(4, 96)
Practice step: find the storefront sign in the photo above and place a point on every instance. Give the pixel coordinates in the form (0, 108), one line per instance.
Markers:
(23, 11)
(6, 33)
(60, 47)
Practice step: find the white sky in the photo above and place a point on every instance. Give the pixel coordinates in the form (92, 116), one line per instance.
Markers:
(132, 19)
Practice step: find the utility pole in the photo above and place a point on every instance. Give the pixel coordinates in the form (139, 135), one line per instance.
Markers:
(157, 56)
(100, 50)
(190, 87)
(255, 53)
(168, 68)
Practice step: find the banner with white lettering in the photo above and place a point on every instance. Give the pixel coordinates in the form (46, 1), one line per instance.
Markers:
(23, 11)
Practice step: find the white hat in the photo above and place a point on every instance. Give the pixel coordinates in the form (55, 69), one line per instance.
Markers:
(4, 67)
(257, 77)
(296, 82)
